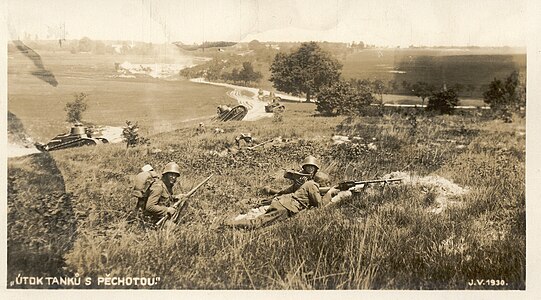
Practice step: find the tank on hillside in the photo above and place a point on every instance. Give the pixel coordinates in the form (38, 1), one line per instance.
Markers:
(274, 103)
(274, 107)
(78, 136)
(226, 113)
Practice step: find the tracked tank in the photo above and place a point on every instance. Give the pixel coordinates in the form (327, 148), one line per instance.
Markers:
(274, 107)
(77, 137)
(226, 113)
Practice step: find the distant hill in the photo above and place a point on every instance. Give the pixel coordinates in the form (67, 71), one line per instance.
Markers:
(204, 45)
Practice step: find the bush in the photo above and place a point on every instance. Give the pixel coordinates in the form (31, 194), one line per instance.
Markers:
(506, 97)
(76, 108)
(343, 99)
(443, 102)
(130, 133)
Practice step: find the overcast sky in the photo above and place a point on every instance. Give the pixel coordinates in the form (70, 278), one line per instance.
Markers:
(380, 22)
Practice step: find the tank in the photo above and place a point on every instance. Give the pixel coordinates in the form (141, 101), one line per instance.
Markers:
(274, 103)
(274, 107)
(226, 113)
(78, 136)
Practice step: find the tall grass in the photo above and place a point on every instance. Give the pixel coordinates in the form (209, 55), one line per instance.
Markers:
(389, 238)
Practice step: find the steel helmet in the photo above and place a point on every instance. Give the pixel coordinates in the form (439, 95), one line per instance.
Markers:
(171, 167)
(310, 160)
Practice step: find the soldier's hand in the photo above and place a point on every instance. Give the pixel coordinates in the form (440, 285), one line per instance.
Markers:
(180, 196)
(357, 189)
(171, 211)
(269, 191)
(333, 191)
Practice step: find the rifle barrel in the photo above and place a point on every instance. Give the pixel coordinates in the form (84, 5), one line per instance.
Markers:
(378, 180)
(191, 192)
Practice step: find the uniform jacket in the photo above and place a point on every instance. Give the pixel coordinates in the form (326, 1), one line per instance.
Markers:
(159, 199)
(306, 196)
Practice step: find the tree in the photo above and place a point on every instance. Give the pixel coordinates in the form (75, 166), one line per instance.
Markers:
(379, 88)
(99, 47)
(304, 71)
(76, 108)
(255, 45)
(247, 74)
(508, 94)
(85, 45)
(407, 87)
(443, 101)
(392, 85)
(130, 134)
(422, 90)
(343, 98)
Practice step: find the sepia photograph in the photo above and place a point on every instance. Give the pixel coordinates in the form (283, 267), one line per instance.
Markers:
(284, 145)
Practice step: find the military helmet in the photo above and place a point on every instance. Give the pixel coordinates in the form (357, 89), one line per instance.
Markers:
(310, 160)
(171, 167)
(322, 178)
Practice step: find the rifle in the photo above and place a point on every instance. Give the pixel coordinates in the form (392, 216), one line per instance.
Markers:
(346, 185)
(181, 204)
(259, 145)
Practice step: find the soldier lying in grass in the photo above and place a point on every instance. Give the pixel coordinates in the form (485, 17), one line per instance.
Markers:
(288, 205)
(310, 166)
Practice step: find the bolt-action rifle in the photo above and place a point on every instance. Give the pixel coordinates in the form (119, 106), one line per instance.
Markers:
(259, 145)
(347, 185)
(181, 204)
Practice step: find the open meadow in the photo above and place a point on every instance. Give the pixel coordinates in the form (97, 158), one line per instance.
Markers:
(459, 216)
(157, 104)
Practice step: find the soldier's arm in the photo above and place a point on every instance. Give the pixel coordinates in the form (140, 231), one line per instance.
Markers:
(290, 189)
(314, 197)
(153, 201)
(327, 198)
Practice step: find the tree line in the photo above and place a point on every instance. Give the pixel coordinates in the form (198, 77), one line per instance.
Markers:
(311, 72)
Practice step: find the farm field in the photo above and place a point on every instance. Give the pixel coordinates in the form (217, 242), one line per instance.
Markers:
(435, 66)
(157, 104)
(459, 214)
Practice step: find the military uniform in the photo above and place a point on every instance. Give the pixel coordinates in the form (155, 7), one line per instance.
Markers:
(159, 199)
(285, 206)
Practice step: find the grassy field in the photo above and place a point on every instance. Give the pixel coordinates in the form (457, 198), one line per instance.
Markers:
(435, 66)
(158, 105)
(68, 211)
(387, 239)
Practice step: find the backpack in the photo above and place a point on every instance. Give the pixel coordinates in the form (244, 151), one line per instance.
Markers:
(141, 186)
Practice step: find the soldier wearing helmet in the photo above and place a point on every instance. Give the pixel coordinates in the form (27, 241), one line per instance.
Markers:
(307, 195)
(310, 165)
(309, 170)
(246, 137)
(161, 193)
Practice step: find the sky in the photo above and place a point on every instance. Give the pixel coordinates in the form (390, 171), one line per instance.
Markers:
(379, 22)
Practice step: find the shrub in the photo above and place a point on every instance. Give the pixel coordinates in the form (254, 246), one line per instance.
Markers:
(130, 133)
(342, 98)
(76, 108)
(443, 102)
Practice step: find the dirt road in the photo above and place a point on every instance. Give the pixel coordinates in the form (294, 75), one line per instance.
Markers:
(256, 107)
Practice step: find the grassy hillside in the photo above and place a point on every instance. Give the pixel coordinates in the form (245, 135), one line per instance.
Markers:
(68, 211)
(41, 219)
(401, 237)
(158, 105)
